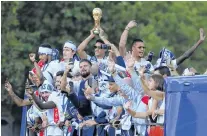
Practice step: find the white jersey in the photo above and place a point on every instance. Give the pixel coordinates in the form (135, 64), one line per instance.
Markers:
(93, 59)
(33, 113)
(52, 129)
(50, 69)
(57, 98)
(60, 101)
(143, 62)
(103, 67)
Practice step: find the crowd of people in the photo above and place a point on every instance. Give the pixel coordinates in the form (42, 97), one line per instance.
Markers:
(114, 92)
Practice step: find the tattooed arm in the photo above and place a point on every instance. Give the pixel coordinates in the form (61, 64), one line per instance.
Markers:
(20, 102)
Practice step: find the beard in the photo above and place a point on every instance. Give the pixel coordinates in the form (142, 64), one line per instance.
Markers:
(85, 74)
(45, 99)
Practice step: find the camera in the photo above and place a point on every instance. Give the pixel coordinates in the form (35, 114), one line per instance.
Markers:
(105, 46)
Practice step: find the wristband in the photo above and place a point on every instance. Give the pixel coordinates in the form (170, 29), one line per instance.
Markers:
(127, 28)
(113, 72)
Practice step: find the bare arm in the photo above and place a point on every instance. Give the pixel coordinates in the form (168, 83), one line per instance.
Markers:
(64, 78)
(119, 111)
(190, 51)
(103, 36)
(19, 102)
(124, 36)
(133, 113)
(154, 105)
(158, 95)
(113, 50)
(160, 112)
(41, 105)
(138, 114)
(83, 45)
(39, 72)
(154, 94)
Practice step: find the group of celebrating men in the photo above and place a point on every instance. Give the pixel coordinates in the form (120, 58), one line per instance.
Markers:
(114, 92)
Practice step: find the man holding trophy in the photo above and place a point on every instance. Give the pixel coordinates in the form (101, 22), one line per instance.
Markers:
(100, 53)
(100, 58)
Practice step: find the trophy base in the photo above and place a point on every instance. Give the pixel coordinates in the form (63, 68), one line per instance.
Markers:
(96, 32)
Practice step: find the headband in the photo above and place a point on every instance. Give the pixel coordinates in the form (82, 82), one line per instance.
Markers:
(44, 50)
(70, 45)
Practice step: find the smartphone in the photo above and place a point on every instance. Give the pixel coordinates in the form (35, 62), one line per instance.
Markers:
(71, 61)
(90, 82)
(71, 85)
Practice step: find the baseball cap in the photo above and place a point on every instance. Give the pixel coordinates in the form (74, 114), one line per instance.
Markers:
(110, 79)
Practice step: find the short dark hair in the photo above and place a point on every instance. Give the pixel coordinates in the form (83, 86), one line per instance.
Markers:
(163, 70)
(46, 45)
(60, 73)
(99, 40)
(85, 60)
(136, 40)
(159, 80)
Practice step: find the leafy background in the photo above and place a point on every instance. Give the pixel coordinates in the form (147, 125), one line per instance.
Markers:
(25, 25)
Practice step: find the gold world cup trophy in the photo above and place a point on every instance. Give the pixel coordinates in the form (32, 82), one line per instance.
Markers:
(97, 14)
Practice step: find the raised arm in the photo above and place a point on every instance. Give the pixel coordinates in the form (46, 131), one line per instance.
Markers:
(64, 78)
(103, 36)
(39, 72)
(125, 88)
(190, 51)
(154, 94)
(130, 68)
(83, 45)
(19, 102)
(124, 36)
(113, 50)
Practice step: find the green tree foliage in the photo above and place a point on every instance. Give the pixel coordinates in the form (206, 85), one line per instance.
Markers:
(25, 25)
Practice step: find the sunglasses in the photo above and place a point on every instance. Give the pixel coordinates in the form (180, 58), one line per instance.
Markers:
(96, 47)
